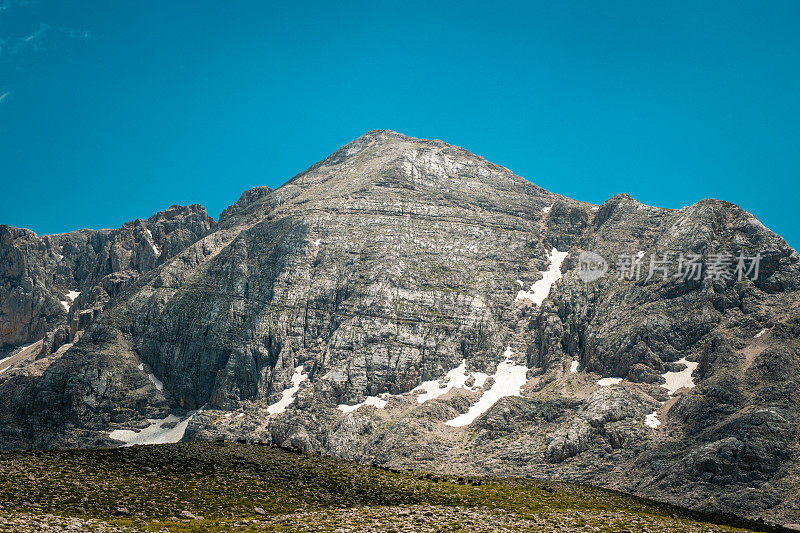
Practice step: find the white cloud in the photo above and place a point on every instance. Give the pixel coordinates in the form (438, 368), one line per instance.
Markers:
(35, 35)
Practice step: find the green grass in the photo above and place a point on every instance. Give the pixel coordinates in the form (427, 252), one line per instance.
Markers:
(225, 482)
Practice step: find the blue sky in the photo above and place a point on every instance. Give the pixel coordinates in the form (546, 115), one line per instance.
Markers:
(111, 111)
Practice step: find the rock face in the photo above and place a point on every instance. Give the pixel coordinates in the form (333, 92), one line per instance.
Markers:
(310, 314)
(40, 276)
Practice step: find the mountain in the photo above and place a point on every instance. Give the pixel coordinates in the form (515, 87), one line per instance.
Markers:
(407, 303)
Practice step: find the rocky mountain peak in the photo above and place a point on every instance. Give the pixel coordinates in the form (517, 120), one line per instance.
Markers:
(248, 198)
(387, 168)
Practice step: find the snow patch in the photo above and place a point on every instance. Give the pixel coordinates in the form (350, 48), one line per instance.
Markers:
(508, 380)
(606, 382)
(156, 381)
(14, 354)
(679, 380)
(375, 401)
(288, 394)
(573, 367)
(151, 241)
(4, 359)
(455, 379)
(651, 420)
(164, 431)
(541, 289)
(71, 296)
(675, 382)
(480, 380)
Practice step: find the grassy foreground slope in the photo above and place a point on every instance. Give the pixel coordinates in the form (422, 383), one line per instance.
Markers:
(235, 487)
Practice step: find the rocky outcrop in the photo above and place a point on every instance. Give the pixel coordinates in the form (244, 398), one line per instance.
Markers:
(27, 308)
(570, 440)
(39, 276)
(608, 415)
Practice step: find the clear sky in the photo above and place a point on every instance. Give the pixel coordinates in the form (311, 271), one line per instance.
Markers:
(113, 110)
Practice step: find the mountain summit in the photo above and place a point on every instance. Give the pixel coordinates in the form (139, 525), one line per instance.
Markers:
(407, 303)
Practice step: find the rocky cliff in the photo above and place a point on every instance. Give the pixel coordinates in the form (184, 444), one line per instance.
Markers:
(45, 281)
(408, 303)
